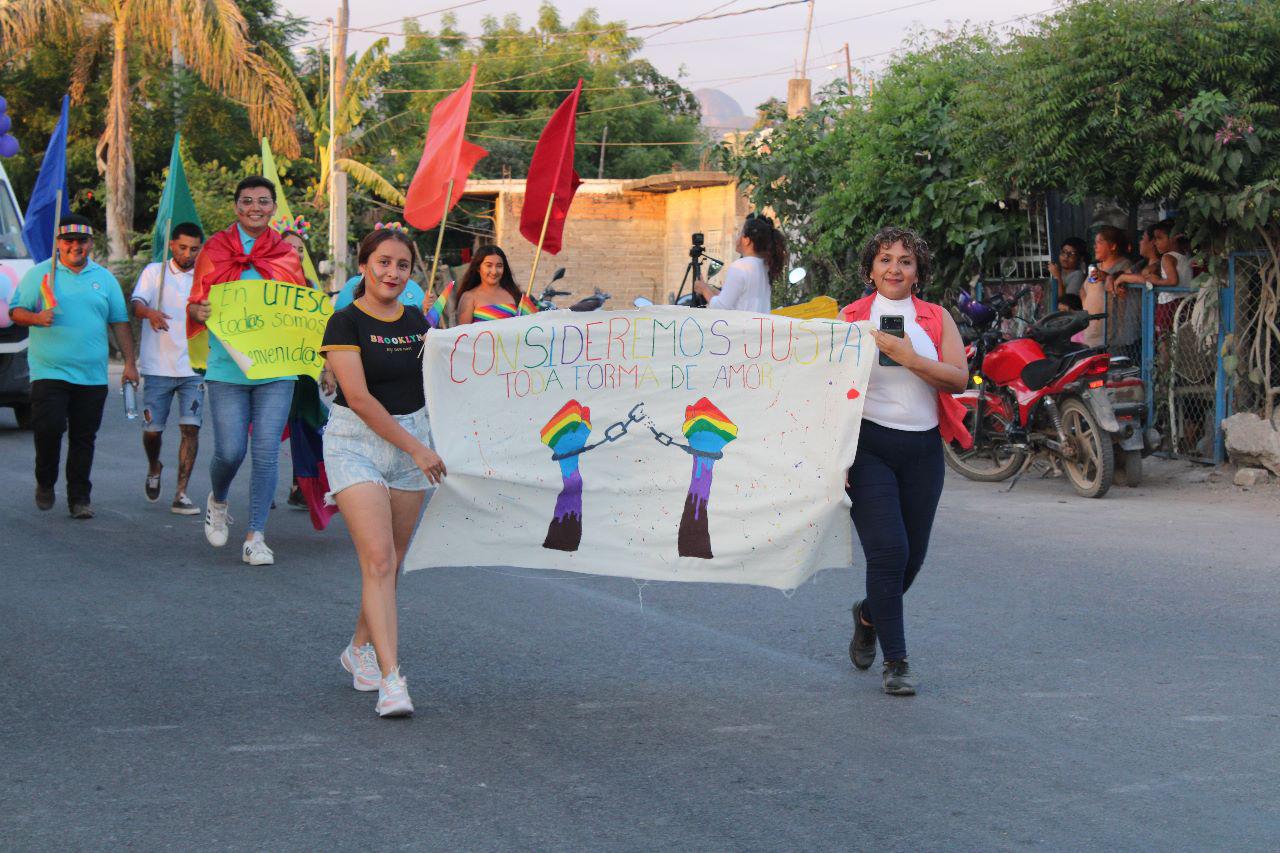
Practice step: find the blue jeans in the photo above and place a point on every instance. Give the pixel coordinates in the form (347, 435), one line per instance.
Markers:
(895, 484)
(158, 393)
(232, 408)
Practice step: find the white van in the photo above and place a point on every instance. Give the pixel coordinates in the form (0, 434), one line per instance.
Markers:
(15, 381)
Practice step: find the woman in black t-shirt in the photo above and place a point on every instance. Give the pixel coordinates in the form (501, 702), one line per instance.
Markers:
(377, 451)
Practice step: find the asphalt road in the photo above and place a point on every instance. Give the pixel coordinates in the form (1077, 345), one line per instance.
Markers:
(1095, 675)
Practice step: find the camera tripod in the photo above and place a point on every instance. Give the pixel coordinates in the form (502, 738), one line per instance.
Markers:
(693, 272)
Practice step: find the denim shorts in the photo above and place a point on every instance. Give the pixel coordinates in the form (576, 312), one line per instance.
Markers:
(158, 393)
(354, 453)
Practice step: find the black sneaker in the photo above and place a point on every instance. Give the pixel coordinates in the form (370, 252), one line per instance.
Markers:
(81, 510)
(151, 489)
(296, 500)
(898, 680)
(44, 497)
(862, 649)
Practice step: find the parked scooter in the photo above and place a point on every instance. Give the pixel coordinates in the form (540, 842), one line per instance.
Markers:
(591, 303)
(1043, 396)
(549, 293)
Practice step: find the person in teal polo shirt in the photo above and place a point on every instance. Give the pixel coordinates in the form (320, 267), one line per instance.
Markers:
(67, 354)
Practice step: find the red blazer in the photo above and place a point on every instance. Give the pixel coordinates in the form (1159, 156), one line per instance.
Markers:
(951, 411)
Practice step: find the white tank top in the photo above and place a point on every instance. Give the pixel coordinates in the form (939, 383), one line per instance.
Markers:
(896, 397)
(1185, 276)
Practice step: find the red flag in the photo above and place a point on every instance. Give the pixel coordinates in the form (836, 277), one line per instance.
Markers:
(551, 171)
(446, 155)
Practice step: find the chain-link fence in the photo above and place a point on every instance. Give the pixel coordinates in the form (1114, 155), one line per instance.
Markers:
(1178, 351)
(1251, 353)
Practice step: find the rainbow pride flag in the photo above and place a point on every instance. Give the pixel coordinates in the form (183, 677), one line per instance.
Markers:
(527, 306)
(435, 314)
(494, 312)
(565, 421)
(47, 297)
(703, 416)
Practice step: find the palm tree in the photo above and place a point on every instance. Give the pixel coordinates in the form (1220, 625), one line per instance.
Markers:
(212, 37)
(360, 84)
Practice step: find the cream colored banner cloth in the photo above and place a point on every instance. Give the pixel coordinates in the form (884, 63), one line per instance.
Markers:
(663, 444)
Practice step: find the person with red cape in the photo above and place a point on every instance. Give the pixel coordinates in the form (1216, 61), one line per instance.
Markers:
(249, 249)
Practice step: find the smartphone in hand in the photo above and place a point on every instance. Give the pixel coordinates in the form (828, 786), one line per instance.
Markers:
(891, 324)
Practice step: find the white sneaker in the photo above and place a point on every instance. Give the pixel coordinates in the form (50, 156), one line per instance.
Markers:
(256, 553)
(216, 519)
(362, 663)
(393, 696)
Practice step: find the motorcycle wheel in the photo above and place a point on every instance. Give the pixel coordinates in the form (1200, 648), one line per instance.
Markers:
(1131, 464)
(994, 460)
(1092, 471)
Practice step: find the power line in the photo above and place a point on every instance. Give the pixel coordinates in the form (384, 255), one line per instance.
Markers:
(619, 88)
(602, 31)
(594, 144)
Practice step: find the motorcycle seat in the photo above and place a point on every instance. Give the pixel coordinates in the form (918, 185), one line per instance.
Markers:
(1041, 372)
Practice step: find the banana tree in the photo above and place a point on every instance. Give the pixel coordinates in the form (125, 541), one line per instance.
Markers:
(361, 84)
(211, 36)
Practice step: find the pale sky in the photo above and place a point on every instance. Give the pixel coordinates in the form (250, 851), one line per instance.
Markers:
(762, 46)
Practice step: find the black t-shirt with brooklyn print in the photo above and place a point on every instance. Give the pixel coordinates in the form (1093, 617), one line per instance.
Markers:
(390, 351)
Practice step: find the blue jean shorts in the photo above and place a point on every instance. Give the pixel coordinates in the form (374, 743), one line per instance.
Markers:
(158, 393)
(354, 453)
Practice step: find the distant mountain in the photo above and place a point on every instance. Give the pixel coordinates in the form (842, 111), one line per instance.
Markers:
(722, 112)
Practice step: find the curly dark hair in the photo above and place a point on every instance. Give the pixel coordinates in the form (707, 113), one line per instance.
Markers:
(913, 242)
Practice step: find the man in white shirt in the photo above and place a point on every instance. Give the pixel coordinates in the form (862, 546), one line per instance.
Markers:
(160, 295)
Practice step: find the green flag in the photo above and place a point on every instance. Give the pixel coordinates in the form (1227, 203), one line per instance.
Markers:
(282, 210)
(176, 205)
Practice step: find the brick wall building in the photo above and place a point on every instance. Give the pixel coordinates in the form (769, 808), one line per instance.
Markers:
(629, 238)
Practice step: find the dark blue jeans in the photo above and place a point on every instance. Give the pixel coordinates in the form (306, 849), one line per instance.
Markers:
(895, 484)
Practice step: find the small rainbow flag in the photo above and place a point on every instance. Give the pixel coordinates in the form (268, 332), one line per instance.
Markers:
(46, 293)
(564, 421)
(435, 314)
(494, 312)
(527, 306)
(703, 416)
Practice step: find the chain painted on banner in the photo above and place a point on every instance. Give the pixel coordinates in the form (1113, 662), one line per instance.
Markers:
(614, 432)
(667, 441)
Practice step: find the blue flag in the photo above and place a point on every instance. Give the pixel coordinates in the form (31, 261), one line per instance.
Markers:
(37, 233)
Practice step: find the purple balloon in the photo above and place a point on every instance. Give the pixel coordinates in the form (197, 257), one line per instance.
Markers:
(6, 124)
(4, 105)
(9, 146)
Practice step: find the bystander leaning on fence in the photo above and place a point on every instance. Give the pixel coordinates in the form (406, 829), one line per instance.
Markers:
(1108, 251)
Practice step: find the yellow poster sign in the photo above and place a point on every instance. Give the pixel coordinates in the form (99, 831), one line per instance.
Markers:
(818, 308)
(270, 328)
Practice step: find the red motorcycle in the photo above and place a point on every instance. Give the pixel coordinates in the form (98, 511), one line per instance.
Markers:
(1041, 396)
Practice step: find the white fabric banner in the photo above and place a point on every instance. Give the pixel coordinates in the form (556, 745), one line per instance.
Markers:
(661, 444)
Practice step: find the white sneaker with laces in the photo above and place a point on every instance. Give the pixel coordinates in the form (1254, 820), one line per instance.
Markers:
(256, 553)
(216, 521)
(393, 696)
(362, 663)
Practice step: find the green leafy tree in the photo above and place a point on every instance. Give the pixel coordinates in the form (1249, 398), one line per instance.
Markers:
(313, 109)
(524, 74)
(851, 165)
(212, 36)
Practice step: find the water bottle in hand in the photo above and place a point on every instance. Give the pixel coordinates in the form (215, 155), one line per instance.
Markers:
(130, 392)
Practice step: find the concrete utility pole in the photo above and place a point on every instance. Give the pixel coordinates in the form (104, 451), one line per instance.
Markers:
(337, 178)
(604, 137)
(799, 91)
